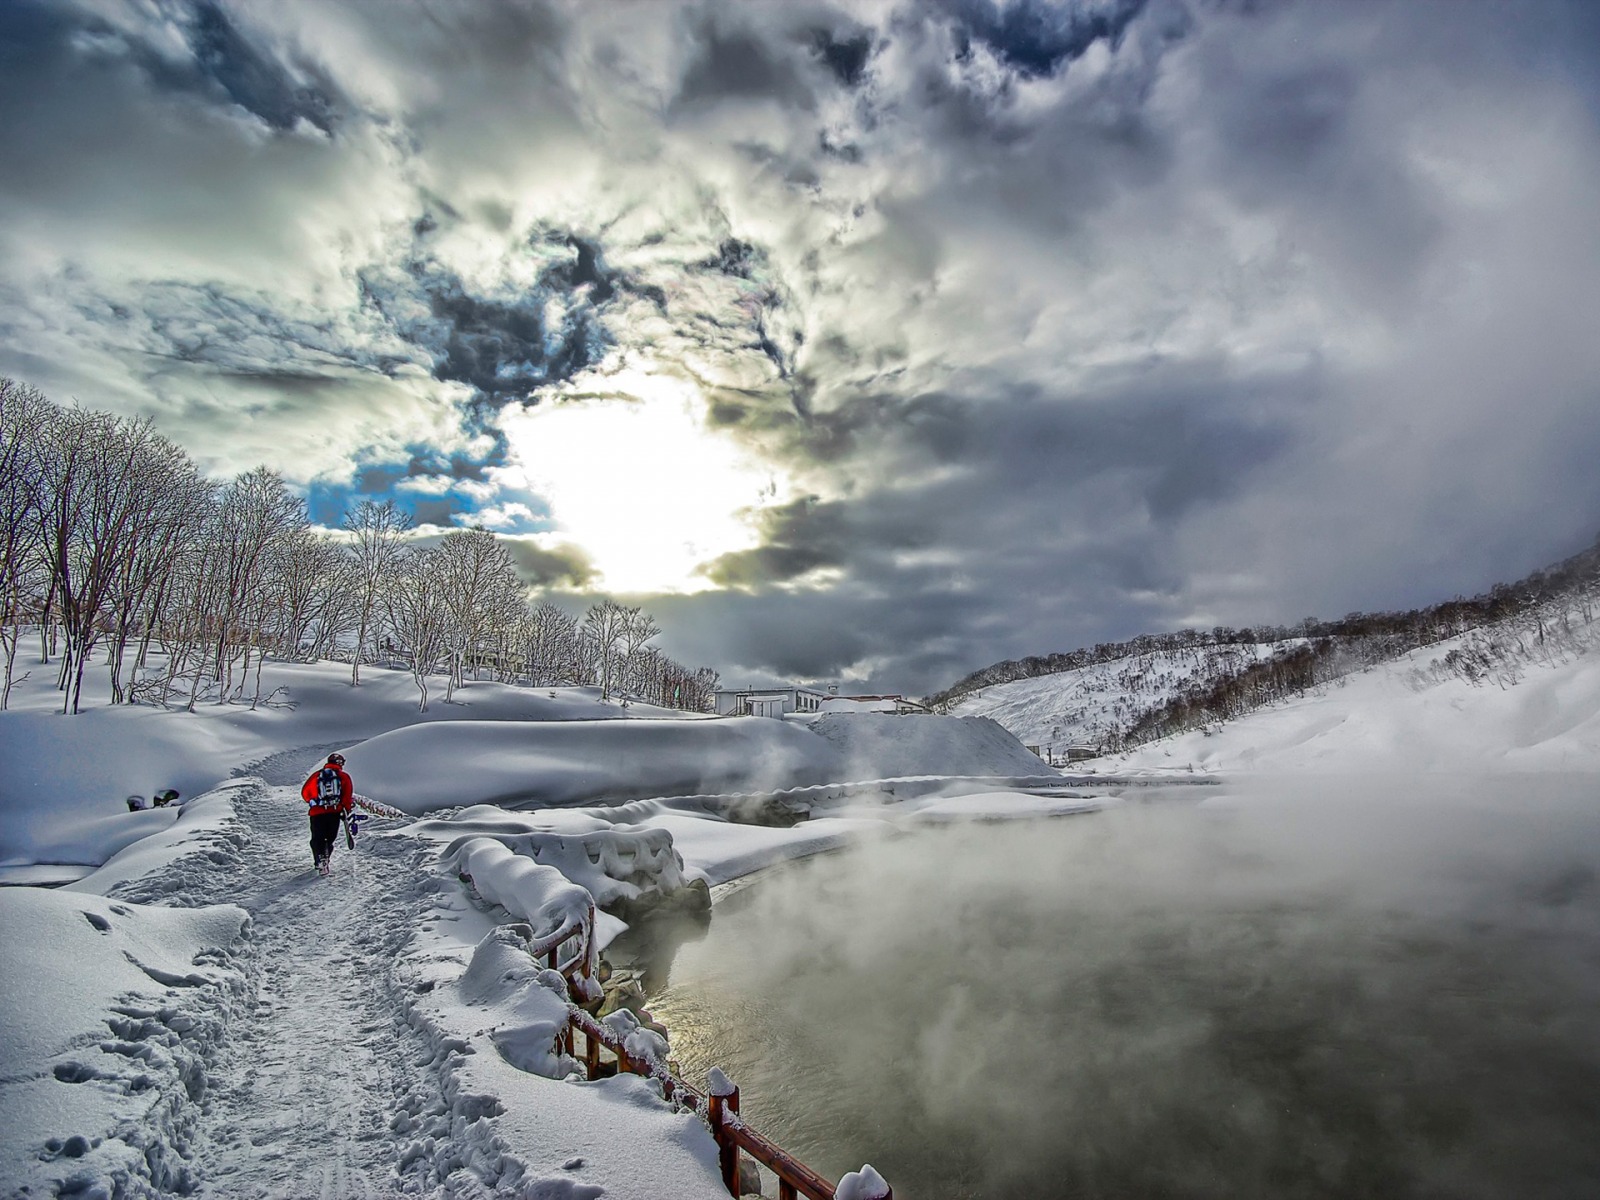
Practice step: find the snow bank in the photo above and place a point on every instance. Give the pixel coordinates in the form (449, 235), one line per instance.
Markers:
(545, 764)
(205, 826)
(612, 861)
(526, 765)
(525, 1008)
(64, 779)
(540, 895)
(113, 1019)
(517, 1114)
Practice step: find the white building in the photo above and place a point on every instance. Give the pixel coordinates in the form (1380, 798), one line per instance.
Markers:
(769, 702)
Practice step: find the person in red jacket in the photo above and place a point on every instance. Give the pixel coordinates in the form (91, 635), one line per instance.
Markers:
(330, 796)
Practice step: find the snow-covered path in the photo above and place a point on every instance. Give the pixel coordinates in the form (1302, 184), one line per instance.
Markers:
(324, 1088)
(377, 1033)
(323, 1072)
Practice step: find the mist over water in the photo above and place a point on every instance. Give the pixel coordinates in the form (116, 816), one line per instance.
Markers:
(1330, 989)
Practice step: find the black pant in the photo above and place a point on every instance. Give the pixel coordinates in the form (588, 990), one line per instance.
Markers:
(324, 828)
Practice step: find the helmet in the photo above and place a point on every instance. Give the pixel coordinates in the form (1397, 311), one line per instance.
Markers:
(336, 759)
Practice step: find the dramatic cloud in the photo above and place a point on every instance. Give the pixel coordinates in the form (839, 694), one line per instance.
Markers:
(864, 341)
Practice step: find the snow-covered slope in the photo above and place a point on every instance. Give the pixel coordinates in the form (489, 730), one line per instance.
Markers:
(542, 764)
(63, 778)
(1408, 715)
(1078, 708)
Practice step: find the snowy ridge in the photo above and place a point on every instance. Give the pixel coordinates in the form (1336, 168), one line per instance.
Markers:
(1415, 713)
(1084, 707)
(1167, 684)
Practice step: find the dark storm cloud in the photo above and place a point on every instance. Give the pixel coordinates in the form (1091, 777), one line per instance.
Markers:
(226, 58)
(559, 568)
(846, 53)
(211, 59)
(982, 500)
(732, 63)
(1037, 37)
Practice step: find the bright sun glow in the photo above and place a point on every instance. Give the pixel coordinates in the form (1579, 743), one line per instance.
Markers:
(643, 487)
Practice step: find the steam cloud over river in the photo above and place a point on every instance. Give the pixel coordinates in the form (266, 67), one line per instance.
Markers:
(1377, 988)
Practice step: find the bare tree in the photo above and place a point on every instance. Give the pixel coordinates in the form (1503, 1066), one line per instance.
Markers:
(24, 412)
(307, 571)
(637, 629)
(482, 590)
(171, 507)
(415, 608)
(96, 470)
(605, 625)
(376, 531)
(549, 637)
(256, 514)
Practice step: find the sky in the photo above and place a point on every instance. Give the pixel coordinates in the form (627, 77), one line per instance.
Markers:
(864, 343)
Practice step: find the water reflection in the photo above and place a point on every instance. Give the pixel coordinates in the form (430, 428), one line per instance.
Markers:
(1352, 990)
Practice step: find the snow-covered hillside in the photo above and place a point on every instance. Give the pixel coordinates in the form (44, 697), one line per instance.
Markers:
(1407, 715)
(1079, 708)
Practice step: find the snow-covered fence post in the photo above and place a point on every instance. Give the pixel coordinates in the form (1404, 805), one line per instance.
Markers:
(723, 1099)
(865, 1184)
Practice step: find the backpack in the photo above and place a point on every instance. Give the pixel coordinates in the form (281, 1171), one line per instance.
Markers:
(328, 786)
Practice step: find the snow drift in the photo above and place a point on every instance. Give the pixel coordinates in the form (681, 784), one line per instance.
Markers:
(521, 765)
(113, 1018)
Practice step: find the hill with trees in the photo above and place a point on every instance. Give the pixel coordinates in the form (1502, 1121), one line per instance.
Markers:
(1115, 696)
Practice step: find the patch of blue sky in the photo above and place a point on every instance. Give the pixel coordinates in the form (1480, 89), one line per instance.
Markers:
(440, 499)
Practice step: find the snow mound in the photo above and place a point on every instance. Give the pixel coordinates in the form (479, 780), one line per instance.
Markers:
(881, 746)
(524, 1004)
(549, 764)
(114, 1020)
(611, 861)
(538, 894)
(205, 829)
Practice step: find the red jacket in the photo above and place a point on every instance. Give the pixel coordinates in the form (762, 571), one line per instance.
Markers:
(347, 791)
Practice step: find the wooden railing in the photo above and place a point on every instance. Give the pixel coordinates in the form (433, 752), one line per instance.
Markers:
(576, 968)
(719, 1106)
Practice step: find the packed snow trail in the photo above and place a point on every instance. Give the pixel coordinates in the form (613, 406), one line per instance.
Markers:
(323, 1080)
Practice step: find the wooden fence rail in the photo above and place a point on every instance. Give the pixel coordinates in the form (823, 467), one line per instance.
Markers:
(720, 1110)
(719, 1107)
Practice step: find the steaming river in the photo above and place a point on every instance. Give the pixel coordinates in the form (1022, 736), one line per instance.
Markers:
(1387, 990)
